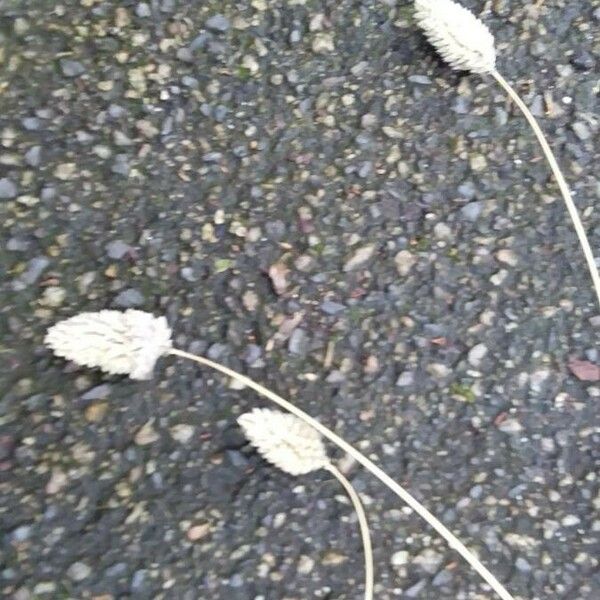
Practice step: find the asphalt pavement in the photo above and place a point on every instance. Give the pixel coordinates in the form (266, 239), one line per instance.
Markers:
(313, 198)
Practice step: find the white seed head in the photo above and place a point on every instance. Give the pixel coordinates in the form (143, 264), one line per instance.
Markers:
(464, 41)
(123, 343)
(284, 440)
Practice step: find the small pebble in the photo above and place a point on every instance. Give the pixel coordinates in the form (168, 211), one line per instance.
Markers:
(582, 131)
(407, 378)
(129, 298)
(98, 392)
(305, 565)
(472, 211)
(298, 342)
(429, 560)
(65, 171)
(323, 43)
(146, 435)
(33, 156)
(359, 258)
(8, 189)
(218, 23)
(53, 296)
(508, 257)
(71, 68)
(117, 249)
(198, 532)
(510, 426)
(405, 261)
(399, 558)
(477, 354)
(142, 10)
(478, 163)
(182, 433)
(571, 521)
(96, 412)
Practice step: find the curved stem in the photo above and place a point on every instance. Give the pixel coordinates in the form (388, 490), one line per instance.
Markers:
(562, 184)
(364, 528)
(435, 523)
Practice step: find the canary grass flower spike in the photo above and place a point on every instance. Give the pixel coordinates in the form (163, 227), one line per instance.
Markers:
(464, 41)
(120, 343)
(466, 44)
(284, 440)
(296, 448)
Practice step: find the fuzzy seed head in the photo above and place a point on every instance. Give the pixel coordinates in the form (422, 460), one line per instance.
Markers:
(284, 440)
(464, 41)
(123, 343)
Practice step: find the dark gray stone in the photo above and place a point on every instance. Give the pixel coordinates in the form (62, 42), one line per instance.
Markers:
(218, 23)
(129, 298)
(8, 189)
(71, 68)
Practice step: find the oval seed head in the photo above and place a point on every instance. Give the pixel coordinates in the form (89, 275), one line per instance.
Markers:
(464, 41)
(120, 343)
(284, 440)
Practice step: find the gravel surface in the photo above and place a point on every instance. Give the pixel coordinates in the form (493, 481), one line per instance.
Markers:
(313, 198)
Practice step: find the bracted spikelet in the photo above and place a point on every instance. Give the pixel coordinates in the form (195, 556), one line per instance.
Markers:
(120, 343)
(284, 440)
(464, 41)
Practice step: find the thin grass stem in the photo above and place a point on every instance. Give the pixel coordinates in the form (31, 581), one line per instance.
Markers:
(364, 528)
(562, 184)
